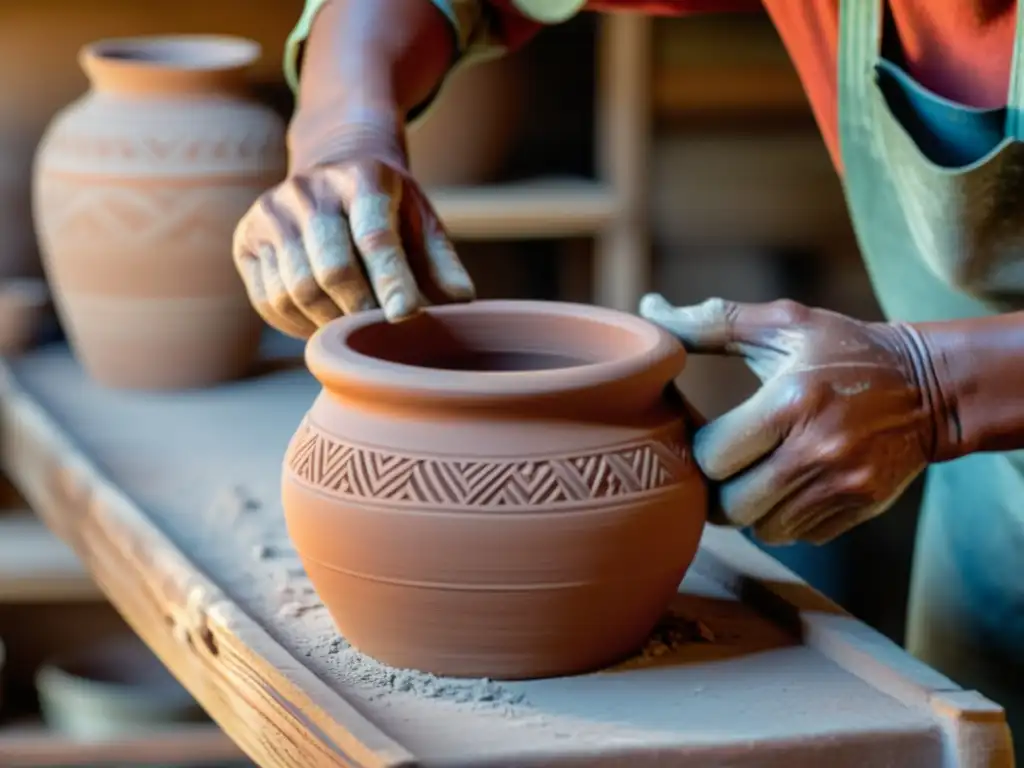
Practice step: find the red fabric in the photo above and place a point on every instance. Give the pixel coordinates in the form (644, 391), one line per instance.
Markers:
(962, 49)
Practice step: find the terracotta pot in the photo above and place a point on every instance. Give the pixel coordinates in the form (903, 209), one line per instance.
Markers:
(138, 187)
(499, 489)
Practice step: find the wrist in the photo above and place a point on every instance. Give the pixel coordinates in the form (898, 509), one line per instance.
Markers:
(978, 365)
(930, 365)
(336, 133)
(367, 64)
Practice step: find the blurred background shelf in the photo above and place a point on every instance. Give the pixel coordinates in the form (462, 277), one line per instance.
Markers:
(29, 744)
(36, 566)
(538, 208)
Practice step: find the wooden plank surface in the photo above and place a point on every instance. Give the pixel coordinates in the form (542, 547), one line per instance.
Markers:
(172, 503)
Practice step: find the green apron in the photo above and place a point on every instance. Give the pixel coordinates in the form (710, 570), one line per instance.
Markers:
(936, 192)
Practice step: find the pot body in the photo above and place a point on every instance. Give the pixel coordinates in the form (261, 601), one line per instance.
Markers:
(138, 186)
(493, 542)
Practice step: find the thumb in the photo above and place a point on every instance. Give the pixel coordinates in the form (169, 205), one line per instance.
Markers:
(709, 327)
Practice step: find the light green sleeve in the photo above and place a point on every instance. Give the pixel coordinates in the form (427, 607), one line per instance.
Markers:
(474, 35)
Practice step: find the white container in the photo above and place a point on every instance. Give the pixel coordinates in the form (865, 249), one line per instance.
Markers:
(115, 688)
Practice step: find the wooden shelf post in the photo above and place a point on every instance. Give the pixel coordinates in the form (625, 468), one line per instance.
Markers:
(622, 255)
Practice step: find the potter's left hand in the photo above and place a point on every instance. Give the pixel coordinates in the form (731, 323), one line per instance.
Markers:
(839, 428)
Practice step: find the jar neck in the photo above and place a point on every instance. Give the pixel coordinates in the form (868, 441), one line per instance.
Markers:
(169, 66)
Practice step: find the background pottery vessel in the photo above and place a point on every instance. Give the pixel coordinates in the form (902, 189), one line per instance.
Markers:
(111, 689)
(479, 112)
(138, 187)
(499, 489)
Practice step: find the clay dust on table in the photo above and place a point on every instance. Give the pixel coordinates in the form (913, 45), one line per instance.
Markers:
(383, 680)
(672, 634)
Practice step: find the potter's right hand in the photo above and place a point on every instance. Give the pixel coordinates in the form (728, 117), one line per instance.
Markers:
(348, 230)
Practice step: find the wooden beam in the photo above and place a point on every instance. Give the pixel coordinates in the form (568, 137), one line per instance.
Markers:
(622, 252)
(542, 208)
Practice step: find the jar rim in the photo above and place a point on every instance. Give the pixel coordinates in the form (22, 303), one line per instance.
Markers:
(603, 348)
(178, 52)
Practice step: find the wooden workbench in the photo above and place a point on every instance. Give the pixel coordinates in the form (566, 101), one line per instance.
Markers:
(172, 503)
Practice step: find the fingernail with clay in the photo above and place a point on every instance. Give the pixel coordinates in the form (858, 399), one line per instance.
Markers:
(460, 287)
(398, 307)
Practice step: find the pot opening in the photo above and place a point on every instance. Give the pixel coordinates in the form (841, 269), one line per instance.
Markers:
(495, 343)
(496, 352)
(180, 53)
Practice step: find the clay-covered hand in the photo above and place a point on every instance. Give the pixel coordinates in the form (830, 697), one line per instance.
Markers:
(348, 230)
(842, 423)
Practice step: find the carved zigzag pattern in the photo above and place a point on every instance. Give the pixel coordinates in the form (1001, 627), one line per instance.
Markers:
(357, 472)
(264, 142)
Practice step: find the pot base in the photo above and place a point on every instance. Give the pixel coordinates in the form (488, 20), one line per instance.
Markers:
(497, 636)
(161, 346)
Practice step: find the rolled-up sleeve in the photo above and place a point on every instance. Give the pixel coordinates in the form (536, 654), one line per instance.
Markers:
(482, 28)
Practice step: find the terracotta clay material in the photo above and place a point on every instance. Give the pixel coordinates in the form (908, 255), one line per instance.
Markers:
(500, 489)
(138, 187)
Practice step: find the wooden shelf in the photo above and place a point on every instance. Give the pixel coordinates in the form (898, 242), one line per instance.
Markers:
(542, 208)
(680, 94)
(36, 566)
(32, 745)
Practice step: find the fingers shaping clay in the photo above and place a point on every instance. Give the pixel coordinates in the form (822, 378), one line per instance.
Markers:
(499, 489)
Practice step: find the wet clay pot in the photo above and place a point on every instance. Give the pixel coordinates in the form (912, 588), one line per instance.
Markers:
(499, 489)
(138, 187)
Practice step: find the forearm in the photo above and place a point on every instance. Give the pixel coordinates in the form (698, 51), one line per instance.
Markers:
(367, 64)
(976, 373)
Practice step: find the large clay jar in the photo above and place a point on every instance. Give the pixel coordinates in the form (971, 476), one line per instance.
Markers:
(500, 489)
(138, 187)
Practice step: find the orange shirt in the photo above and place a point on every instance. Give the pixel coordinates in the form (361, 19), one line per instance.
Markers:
(961, 49)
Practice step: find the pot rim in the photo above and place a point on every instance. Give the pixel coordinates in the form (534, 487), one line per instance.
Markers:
(238, 52)
(657, 358)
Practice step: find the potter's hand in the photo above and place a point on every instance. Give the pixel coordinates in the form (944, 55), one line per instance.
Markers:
(348, 230)
(839, 428)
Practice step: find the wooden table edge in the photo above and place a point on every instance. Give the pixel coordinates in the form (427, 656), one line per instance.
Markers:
(771, 588)
(281, 713)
